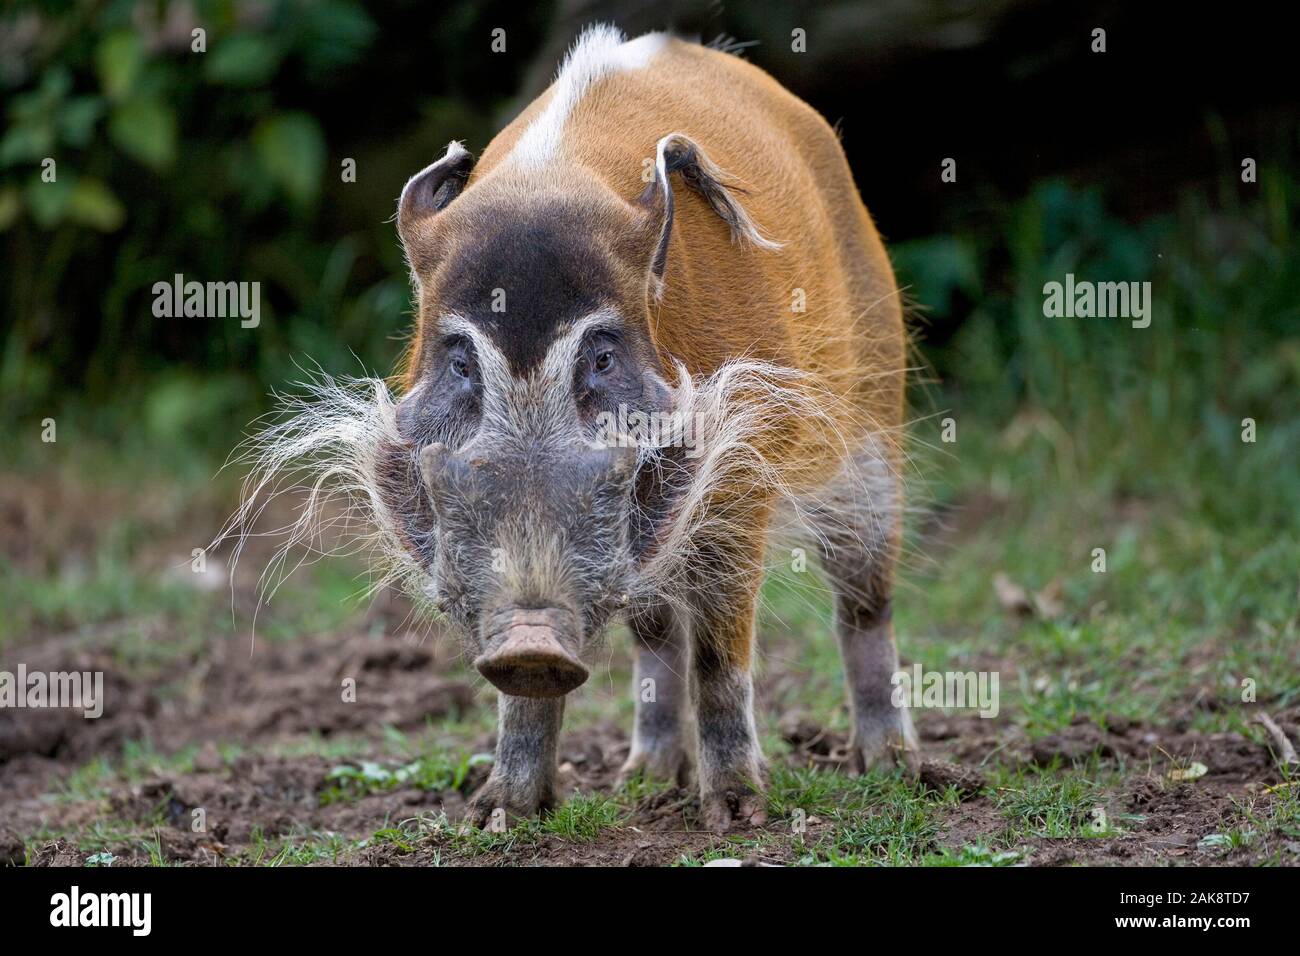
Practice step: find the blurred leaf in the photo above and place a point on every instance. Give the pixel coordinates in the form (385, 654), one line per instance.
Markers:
(77, 119)
(146, 131)
(118, 60)
(934, 269)
(1193, 771)
(291, 151)
(55, 85)
(48, 201)
(91, 203)
(182, 405)
(11, 204)
(333, 33)
(26, 143)
(242, 60)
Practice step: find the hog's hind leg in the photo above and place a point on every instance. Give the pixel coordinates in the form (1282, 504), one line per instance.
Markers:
(859, 524)
(660, 746)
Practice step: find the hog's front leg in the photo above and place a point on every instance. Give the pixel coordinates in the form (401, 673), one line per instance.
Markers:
(731, 769)
(522, 781)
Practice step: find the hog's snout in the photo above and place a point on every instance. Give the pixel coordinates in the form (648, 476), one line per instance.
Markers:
(531, 542)
(527, 656)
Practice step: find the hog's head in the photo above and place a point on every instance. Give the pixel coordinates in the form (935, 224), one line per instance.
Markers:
(532, 336)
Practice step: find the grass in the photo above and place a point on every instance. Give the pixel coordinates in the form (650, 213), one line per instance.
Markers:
(311, 847)
(583, 817)
(1052, 803)
(302, 847)
(437, 770)
(137, 762)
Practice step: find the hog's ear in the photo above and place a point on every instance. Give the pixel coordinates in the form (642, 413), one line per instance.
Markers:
(677, 153)
(429, 192)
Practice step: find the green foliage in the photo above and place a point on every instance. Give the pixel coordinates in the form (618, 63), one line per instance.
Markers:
(1224, 342)
(582, 817)
(222, 164)
(1051, 805)
(437, 771)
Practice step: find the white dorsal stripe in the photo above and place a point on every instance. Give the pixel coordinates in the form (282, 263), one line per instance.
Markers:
(600, 51)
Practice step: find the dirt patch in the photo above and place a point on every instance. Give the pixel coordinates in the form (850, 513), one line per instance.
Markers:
(280, 695)
(966, 781)
(324, 686)
(261, 798)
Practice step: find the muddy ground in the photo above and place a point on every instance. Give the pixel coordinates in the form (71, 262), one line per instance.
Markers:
(280, 694)
(245, 731)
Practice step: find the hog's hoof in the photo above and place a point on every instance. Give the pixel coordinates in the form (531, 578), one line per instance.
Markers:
(500, 804)
(733, 808)
(890, 743)
(663, 764)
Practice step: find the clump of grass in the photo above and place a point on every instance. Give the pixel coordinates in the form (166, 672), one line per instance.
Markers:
(1047, 802)
(436, 771)
(583, 816)
(1273, 815)
(638, 786)
(307, 847)
(898, 831)
(877, 818)
(976, 854)
(472, 842)
(811, 791)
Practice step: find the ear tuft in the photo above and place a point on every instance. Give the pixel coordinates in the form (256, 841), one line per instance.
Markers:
(432, 189)
(677, 153)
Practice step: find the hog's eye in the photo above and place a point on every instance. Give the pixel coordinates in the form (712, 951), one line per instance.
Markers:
(601, 356)
(460, 360)
(601, 370)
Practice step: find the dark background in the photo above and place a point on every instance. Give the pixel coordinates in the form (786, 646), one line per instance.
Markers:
(225, 166)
